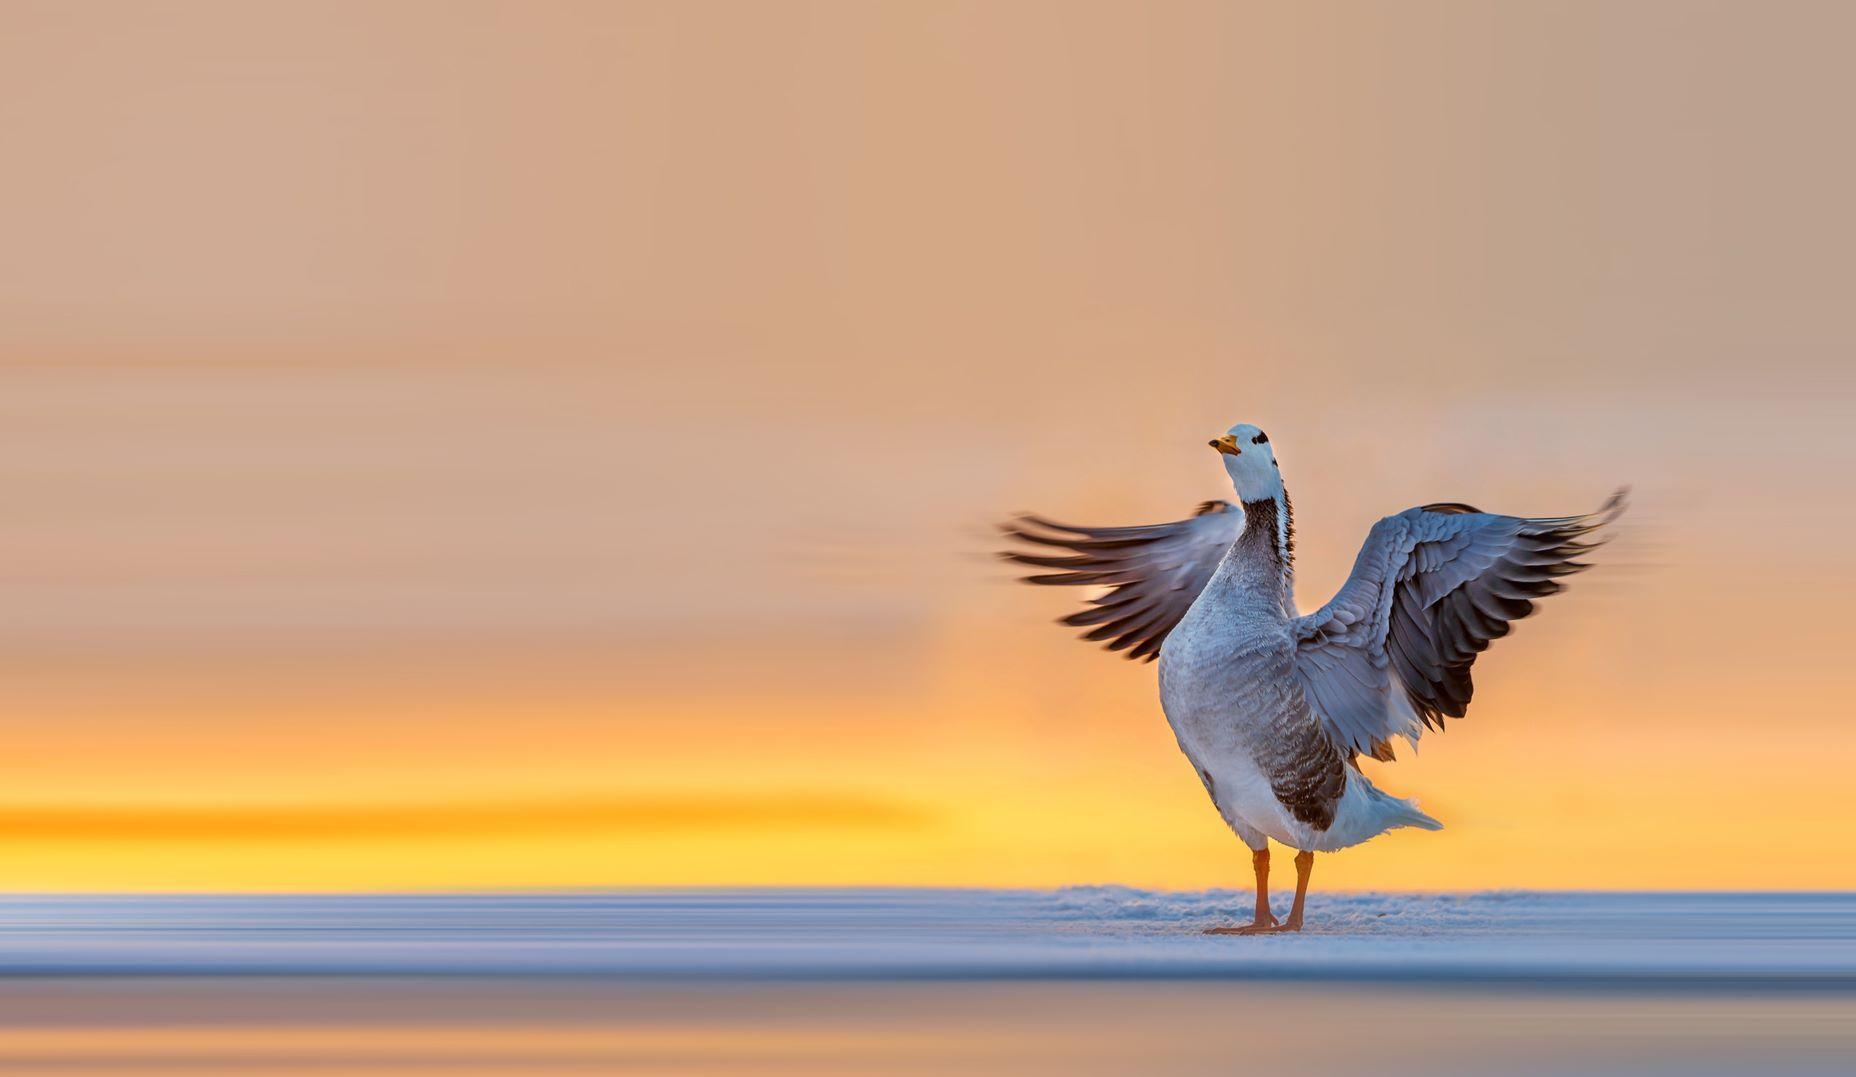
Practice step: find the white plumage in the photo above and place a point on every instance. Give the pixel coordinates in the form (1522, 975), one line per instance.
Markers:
(1273, 708)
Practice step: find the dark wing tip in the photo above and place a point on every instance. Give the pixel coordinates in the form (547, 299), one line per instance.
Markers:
(1614, 505)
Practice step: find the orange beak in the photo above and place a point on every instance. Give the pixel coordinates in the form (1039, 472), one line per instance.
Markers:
(1226, 445)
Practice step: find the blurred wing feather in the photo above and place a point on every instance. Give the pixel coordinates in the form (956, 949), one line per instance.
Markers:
(1151, 573)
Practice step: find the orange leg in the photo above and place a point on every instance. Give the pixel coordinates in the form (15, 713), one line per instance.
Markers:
(1266, 920)
(1304, 867)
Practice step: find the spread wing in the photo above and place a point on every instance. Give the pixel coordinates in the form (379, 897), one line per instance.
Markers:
(1390, 655)
(1152, 573)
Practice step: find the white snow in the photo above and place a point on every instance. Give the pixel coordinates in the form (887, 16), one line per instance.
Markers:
(1669, 939)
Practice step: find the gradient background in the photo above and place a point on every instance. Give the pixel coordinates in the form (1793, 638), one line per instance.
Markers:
(544, 444)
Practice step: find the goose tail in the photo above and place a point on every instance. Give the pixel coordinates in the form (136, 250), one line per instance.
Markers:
(1368, 811)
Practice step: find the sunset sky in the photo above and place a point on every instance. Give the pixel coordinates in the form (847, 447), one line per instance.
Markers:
(505, 444)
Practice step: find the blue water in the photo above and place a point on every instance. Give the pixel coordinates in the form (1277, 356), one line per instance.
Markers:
(1690, 941)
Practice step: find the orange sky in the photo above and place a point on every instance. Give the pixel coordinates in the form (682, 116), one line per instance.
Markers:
(504, 444)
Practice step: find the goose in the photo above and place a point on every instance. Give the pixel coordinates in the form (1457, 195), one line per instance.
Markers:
(1274, 708)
